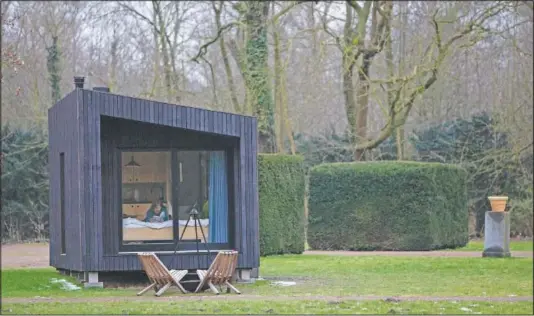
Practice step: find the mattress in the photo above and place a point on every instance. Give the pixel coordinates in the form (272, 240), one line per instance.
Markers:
(135, 230)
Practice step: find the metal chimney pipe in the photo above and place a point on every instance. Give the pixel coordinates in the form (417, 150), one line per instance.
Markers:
(78, 82)
(101, 89)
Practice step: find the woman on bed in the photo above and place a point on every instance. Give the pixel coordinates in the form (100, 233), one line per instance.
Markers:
(157, 213)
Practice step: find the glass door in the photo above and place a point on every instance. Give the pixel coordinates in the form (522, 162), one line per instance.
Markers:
(202, 186)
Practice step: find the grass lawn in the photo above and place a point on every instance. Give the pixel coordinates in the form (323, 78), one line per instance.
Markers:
(515, 245)
(275, 307)
(314, 275)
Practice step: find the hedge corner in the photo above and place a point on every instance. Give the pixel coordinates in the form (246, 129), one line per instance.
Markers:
(281, 199)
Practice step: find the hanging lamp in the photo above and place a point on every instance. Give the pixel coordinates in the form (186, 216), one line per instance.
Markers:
(132, 163)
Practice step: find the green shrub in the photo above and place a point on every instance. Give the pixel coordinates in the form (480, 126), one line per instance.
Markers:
(521, 218)
(24, 202)
(387, 206)
(281, 194)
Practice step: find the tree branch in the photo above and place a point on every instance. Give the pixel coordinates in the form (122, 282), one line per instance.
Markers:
(204, 48)
(355, 6)
(277, 16)
(142, 16)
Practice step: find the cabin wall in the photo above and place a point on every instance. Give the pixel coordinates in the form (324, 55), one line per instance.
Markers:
(102, 167)
(65, 137)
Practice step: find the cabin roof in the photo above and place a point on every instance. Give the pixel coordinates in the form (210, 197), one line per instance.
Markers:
(103, 103)
(165, 104)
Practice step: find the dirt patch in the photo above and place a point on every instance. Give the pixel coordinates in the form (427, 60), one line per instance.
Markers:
(34, 255)
(265, 298)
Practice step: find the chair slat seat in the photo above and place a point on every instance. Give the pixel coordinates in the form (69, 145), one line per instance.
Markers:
(220, 272)
(158, 274)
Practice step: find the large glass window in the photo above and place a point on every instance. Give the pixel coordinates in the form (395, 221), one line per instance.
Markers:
(146, 192)
(161, 192)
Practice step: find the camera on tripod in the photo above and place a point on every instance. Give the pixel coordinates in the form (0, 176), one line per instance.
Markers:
(193, 216)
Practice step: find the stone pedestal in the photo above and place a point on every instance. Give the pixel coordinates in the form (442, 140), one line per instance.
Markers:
(497, 234)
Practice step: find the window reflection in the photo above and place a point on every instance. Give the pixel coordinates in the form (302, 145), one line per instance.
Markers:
(147, 194)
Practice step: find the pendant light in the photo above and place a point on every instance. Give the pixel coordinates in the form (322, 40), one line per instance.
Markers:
(132, 164)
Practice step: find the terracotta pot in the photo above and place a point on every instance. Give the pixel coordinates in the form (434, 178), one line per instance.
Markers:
(498, 203)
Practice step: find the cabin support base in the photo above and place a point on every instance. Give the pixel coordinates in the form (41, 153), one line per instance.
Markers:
(255, 273)
(92, 280)
(243, 276)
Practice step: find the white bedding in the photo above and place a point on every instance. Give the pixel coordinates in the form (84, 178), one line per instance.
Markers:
(135, 223)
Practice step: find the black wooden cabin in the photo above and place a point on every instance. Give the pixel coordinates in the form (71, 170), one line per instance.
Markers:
(125, 174)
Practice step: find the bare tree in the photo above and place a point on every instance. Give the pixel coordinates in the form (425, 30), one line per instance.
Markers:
(364, 40)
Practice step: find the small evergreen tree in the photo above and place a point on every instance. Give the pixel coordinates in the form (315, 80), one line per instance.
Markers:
(24, 185)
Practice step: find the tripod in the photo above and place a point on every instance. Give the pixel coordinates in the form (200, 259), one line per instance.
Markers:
(193, 214)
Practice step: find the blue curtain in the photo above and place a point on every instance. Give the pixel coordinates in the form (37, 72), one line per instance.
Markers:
(218, 198)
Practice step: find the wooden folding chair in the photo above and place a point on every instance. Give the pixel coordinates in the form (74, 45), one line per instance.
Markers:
(220, 272)
(158, 274)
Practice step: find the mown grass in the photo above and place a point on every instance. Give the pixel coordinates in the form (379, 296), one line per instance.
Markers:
(37, 282)
(273, 307)
(334, 276)
(379, 275)
(515, 245)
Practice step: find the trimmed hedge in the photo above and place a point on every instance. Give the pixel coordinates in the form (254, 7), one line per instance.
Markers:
(387, 206)
(281, 199)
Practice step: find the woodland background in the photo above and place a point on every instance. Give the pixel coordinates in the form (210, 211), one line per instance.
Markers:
(450, 82)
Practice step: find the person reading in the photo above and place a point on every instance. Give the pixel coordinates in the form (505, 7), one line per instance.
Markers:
(157, 213)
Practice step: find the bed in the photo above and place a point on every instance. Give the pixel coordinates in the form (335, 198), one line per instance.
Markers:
(136, 230)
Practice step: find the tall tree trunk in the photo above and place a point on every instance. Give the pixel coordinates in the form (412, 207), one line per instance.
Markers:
(238, 52)
(278, 89)
(53, 60)
(167, 68)
(363, 105)
(348, 95)
(348, 61)
(155, 89)
(226, 61)
(257, 77)
(285, 111)
(368, 53)
(311, 26)
(284, 128)
(354, 41)
(173, 53)
(113, 63)
(399, 131)
(230, 77)
(213, 85)
(167, 71)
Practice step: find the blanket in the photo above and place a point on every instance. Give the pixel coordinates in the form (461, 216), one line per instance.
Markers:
(135, 223)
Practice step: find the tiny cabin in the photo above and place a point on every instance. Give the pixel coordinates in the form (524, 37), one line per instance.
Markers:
(126, 175)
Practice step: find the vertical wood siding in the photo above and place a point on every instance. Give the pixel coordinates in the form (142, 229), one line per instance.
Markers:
(94, 197)
(64, 137)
